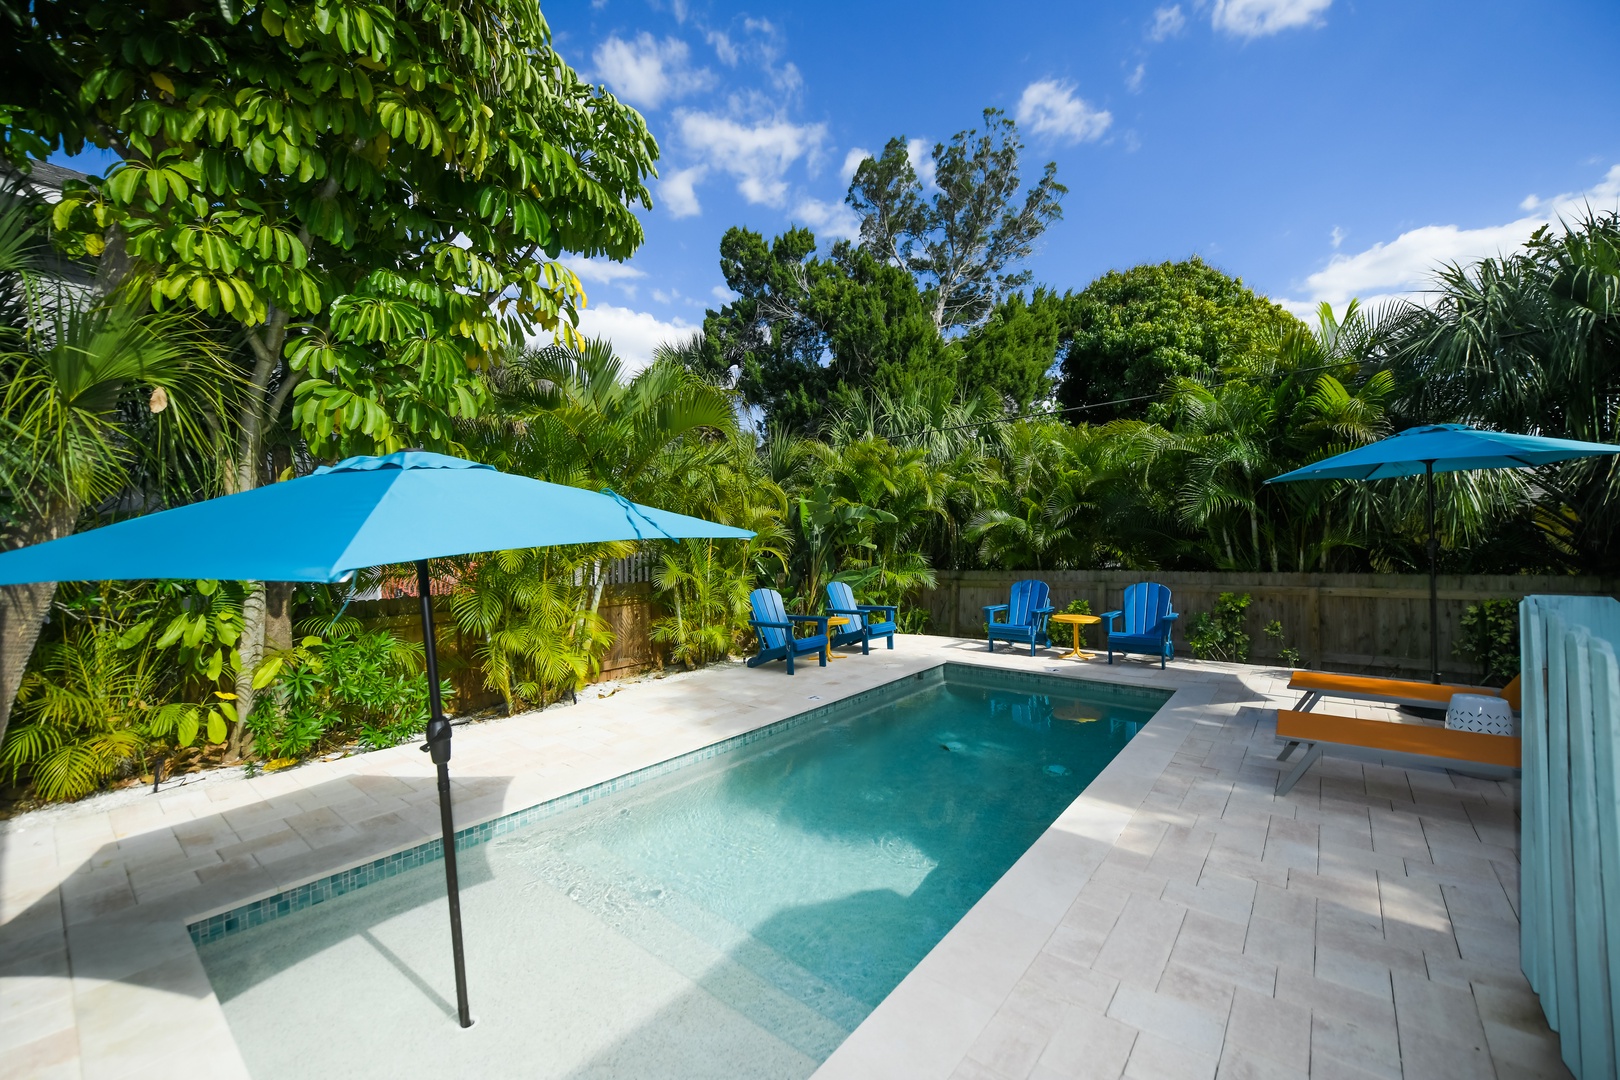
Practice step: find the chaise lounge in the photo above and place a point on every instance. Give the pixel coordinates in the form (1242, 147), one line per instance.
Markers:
(1317, 730)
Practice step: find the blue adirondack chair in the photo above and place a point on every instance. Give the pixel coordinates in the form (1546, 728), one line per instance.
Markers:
(1026, 612)
(1148, 620)
(864, 626)
(774, 628)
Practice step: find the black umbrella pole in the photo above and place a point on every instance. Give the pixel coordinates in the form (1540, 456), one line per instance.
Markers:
(438, 744)
(1434, 581)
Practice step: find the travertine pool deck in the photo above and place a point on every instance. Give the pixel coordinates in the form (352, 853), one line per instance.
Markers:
(1178, 920)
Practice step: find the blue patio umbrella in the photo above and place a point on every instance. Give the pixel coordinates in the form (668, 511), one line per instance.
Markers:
(1443, 448)
(362, 512)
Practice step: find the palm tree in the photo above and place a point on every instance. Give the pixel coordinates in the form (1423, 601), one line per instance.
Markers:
(1530, 342)
(83, 372)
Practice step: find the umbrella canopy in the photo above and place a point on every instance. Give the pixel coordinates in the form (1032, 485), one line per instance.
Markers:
(1448, 448)
(365, 511)
(362, 512)
(1436, 448)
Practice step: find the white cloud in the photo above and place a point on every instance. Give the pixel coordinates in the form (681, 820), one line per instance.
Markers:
(757, 155)
(1404, 267)
(723, 294)
(1133, 81)
(852, 161)
(1050, 107)
(646, 71)
(1259, 18)
(603, 271)
(827, 219)
(723, 47)
(922, 162)
(1167, 22)
(1337, 236)
(679, 190)
(635, 334)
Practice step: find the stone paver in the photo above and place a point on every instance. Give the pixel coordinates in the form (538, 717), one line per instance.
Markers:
(1177, 921)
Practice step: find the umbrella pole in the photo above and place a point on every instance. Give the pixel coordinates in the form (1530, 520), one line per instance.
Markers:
(438, 744)
(1434, 582)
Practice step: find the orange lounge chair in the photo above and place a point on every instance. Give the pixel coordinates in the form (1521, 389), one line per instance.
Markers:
(1317, 730)
(1421, 695)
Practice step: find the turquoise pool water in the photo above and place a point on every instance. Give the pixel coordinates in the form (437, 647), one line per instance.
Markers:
(735, 917)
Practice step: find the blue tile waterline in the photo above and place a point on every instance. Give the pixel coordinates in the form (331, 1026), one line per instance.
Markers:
(302, 897)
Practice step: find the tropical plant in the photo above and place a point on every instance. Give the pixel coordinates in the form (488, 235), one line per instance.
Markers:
(1530, 342)
(1490, 638)
(348, 686)
(1219, 634)
(707, 597)
(81, 714)
(374, 195)
(100, 400)
(531, 609)
(1291, 657)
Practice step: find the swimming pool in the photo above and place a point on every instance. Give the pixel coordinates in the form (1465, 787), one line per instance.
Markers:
(735, 916)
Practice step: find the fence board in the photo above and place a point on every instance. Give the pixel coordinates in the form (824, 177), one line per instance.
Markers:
(1365, 623)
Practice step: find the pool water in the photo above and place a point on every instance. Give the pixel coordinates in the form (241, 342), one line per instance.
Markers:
(737, 917)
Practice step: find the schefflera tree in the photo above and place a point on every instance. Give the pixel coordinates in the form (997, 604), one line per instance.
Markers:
(375, 195)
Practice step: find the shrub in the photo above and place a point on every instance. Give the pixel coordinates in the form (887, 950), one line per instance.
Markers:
(1219, 635)
(350, 686)
(1290, 657)
(1062, 634)
(1490, 638)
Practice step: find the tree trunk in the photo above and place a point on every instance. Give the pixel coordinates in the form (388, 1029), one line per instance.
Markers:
(24, 610)
(251, 649)
(278, 632)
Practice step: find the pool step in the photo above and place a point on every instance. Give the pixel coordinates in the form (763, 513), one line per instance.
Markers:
(747, 975)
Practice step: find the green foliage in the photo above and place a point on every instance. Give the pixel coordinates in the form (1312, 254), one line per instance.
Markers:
(706, 593)
(1065, 635)
(1529, 342)
(376, 193)
(1490, 638)
(123, 669)
(1014, 351)
(1133, 331)
(326, 692)
(1219, 635)
(532, 611)
(80, 715)
(963, 241)
(1290, 656)
(802, 327)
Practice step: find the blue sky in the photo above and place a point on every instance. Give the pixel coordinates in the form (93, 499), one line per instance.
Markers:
(1318, 149)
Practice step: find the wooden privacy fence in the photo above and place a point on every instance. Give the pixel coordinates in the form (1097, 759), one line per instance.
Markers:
(1569, 839)
(627, 609)
(1364, 623)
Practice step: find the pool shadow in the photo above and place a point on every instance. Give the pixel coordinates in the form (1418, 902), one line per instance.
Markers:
(121, 915)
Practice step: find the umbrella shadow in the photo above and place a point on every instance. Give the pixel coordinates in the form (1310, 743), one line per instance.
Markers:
(348, 838)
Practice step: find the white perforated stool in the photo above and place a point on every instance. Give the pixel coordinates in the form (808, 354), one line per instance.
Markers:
(1477, 712)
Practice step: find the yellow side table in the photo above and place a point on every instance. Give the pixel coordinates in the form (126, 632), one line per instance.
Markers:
(1079, 622)
(835, 621)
